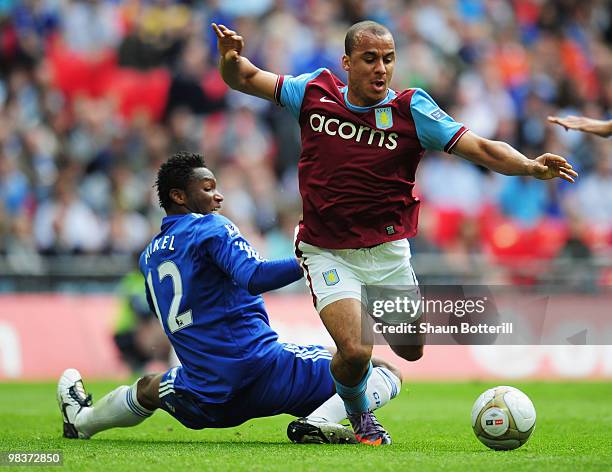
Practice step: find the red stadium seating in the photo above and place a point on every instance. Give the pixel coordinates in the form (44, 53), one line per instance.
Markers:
(135, 91)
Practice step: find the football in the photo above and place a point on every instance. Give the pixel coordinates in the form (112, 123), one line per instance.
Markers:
(503, 418)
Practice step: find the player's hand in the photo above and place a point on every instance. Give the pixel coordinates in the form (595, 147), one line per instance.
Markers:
(582, 123)
(548, 166)
(229, 43)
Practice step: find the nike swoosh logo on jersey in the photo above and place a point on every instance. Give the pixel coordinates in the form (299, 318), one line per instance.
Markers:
(326, 100)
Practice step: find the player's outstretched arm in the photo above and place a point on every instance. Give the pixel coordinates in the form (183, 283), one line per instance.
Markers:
(582, 123)
(237, 71)
(272, 275)
(503, 158)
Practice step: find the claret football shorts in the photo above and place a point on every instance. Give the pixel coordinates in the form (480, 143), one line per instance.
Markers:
(335, 274)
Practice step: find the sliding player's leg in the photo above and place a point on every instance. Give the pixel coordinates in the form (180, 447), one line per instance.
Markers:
(383, 385)
(124, 406)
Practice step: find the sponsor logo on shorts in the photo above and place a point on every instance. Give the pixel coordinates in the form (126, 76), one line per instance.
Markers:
(331, 277)
(390, 230)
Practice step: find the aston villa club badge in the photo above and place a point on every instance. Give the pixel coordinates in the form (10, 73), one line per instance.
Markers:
(331, 277)
(384, 118)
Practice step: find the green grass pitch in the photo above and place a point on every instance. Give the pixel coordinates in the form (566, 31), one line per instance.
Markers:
(429, 423)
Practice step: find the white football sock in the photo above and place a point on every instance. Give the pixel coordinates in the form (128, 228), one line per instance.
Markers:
(383, 385)
(119, 408)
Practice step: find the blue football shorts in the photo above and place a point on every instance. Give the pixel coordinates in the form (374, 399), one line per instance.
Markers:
(297, 382)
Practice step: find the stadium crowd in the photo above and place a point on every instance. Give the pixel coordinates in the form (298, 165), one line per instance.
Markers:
(95, 94)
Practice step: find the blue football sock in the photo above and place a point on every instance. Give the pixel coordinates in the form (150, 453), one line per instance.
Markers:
(355, 398)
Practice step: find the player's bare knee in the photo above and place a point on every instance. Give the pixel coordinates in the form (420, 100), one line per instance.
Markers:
(395, 371)
(414, 353)
(378, 362)
(356, 354)
(147, 391)
(409, 353)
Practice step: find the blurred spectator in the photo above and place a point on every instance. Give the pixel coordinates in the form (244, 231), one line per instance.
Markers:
(233, 187)
(450, 183)
(155, 33)
(196, 85)
(575, 257)
(523, 201)
(90, 27)
(129, 232)
(463, 254)
(95, 94)
(14, 187)
(592, 198)
(575, 247)
(66, 225)
(23, 256)
(138, 333)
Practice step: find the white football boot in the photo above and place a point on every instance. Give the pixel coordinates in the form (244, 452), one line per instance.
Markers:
(311, 431)
(72, 398)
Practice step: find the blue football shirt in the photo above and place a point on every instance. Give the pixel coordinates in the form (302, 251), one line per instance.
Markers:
(197, 271)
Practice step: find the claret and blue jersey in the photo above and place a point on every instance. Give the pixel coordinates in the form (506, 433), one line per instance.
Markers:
(197, 271)
(434, 128)
(358, 164)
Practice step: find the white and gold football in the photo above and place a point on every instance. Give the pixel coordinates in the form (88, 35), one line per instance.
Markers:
(503, 418)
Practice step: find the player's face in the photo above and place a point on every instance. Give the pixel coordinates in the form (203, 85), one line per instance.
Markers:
(202, 195)
(370, 68)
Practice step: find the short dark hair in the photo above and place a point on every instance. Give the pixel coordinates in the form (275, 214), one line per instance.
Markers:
(354, 33)
(176, 172)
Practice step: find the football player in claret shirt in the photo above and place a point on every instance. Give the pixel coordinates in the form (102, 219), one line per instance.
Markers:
(361, 145)
(204, 280)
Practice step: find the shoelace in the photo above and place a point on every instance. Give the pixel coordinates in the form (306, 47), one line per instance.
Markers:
(77, 393)
(376, 426)
(368, 423)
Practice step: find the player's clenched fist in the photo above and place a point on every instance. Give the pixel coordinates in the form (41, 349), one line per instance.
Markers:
(229, 43)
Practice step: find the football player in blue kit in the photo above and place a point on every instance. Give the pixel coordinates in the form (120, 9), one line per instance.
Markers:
(204, 280)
